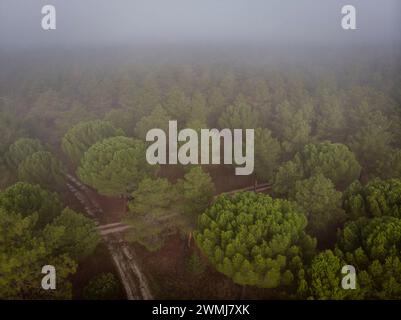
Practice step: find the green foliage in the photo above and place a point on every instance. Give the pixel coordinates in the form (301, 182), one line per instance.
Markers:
(157, 119)
(115, 166)
(158, 208)
(10, 126)
(52, 113)
(103, 287)
(33, 234)
(325, 277)
(330, 118)
(76, 113)
(267, 154)
(23, 253)
(195, 193)
(85, 134)
(373, 138)
(333, 160)
(216, 102)
(377, 237)
(152, 213)
(177, 105)
(355, 104)
(321, 202)
(286, 177)
(292, 127)
(255, 240)
(239, 116)
(353, 201)
(196, 125)
(195, 265)
(22, 149)
(373, 246)
(258, 93)
(198, 110)
(44, 169)
(390, 167)
(122, 119)
(375, 199)
(153, 196)
(73, 233)
(10, 130)
(138, 102)
(26, 199)
(6, 175)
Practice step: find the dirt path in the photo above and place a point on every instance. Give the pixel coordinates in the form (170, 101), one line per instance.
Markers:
(134, 281)
(256, 188)
(111, 228)
(132, 278)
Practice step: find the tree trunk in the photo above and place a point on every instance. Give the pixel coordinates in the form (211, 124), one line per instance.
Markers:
(125, 205)
(189, 239)
(243, 292)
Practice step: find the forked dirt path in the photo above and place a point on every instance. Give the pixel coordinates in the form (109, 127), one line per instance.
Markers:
(133, 279)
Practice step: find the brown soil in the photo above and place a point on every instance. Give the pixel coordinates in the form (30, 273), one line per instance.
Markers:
(170, 278)
(97, 263)
(113, 207)
(224, 177)
(166, 269)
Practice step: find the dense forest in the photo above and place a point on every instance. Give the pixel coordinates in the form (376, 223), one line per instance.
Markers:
(327, 143)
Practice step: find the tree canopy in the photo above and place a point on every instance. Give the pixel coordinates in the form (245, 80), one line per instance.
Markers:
(42, 168)
(33, 234)
(292, 126)
(373, 247)
(157, 119)
(375, 199)
(267, 154)
(27, 199)
(373, 137)
(325, 277)
(22, 149)
(83, 135)
(195, 193)
(255, 240)
(239, 116)
(322, 204)
(105, 286)
(73, 233)
(333, 160)
(115, 166)
(153, 213)
(177, 105)
(324, 132)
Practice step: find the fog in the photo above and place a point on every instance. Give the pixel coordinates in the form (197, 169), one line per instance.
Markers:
(197, 22)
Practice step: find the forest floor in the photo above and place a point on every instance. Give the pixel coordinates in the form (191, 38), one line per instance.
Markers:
(224, 180)
(97, 263)
(170, 278)
(167, 269)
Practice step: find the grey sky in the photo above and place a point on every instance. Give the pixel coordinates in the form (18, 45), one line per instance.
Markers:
(109, 22)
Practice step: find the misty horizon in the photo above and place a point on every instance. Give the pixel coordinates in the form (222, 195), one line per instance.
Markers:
(180, 23)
